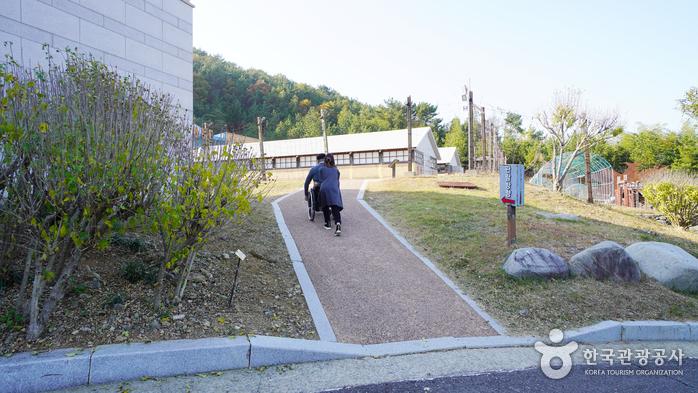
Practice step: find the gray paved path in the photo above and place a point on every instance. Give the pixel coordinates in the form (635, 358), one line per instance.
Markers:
(373, 289)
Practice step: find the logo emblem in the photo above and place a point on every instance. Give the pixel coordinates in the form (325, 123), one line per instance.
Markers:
(551, 352)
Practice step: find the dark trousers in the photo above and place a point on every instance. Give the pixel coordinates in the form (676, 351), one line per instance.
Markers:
(335, 214)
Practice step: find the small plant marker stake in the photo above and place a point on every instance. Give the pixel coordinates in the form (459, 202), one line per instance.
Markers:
(241, 257)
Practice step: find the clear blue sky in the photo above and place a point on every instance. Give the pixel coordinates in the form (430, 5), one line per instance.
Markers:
(635, 57)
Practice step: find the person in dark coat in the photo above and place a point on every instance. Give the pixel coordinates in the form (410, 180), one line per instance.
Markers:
(314, 176)
(330, 195)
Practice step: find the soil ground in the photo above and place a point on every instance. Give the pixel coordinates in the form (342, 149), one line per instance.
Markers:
(464, 232)
(268, 300)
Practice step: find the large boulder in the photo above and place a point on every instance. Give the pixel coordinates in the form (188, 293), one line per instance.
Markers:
(669, 264)
(606, 260)
(533, 262)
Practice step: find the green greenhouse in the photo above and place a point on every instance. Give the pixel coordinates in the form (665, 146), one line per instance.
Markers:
(575, 180)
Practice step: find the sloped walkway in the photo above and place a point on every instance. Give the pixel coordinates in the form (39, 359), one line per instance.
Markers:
(372, 287)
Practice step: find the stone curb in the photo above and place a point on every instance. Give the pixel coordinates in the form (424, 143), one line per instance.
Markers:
(57, 369)
(606, 331)
(656, 331)
(62, 368)
(119, 362)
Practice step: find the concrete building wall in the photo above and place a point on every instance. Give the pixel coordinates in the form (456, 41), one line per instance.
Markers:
(151, 39)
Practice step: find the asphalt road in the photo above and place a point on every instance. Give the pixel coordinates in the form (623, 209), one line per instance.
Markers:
(581, 379)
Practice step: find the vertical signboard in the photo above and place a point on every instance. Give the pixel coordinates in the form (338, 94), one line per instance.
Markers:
(511, 193)
(511, 184)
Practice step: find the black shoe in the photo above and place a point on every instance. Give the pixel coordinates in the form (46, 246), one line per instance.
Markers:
(327, 226)
(338, 230)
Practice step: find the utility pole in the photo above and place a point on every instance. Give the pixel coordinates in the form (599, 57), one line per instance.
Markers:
(409, 134)
(471, 124)
(492, 144)
(261, 124)
(484, 138)
(324, 131)
(587, 165)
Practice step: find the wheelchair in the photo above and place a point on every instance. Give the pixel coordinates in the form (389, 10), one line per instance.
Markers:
(313, 201)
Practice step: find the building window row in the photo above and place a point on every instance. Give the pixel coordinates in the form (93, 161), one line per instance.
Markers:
(362, 158)
(308, 161)
(286, 162)
(342, 159)
(389, 156)
(371, 157)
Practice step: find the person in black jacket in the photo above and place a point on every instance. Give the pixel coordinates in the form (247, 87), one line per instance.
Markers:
(314, 176)
(330, 195)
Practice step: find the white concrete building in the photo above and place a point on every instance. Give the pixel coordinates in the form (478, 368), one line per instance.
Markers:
(151, 39)
(450, 160)
(364, 155)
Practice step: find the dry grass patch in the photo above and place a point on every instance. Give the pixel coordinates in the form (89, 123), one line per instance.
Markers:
(464, 231)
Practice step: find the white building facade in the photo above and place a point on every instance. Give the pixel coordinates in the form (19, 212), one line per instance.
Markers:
(449, 161)
(150, 39)
(359, 156)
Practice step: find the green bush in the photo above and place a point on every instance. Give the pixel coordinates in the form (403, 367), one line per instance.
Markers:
(11, 320)
(130, 241)
(136, 270)
(114, 299)
(75, 288)
(675, 196)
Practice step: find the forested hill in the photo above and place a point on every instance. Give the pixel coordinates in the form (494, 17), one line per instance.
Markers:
(227, 95)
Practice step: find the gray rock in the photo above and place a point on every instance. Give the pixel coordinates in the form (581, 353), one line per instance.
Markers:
(197, 278)
(533, 262)
(94, 284)
(559, 216)
(606, 260)
(226, 255)
(671, 265)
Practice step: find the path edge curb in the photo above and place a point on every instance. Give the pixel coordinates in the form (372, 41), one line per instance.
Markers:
(64, 368)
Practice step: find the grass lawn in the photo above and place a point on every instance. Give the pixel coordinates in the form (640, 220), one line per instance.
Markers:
(464, 232)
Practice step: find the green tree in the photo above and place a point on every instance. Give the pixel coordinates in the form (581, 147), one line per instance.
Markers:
(651, 147)
(204, 190)
(689, 104)
(455, 137)
(229, 97)
(687, 155)
(92, 145)
(614, 152)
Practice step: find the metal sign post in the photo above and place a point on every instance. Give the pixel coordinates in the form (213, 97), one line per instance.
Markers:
(511, 193)
(241, 257)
